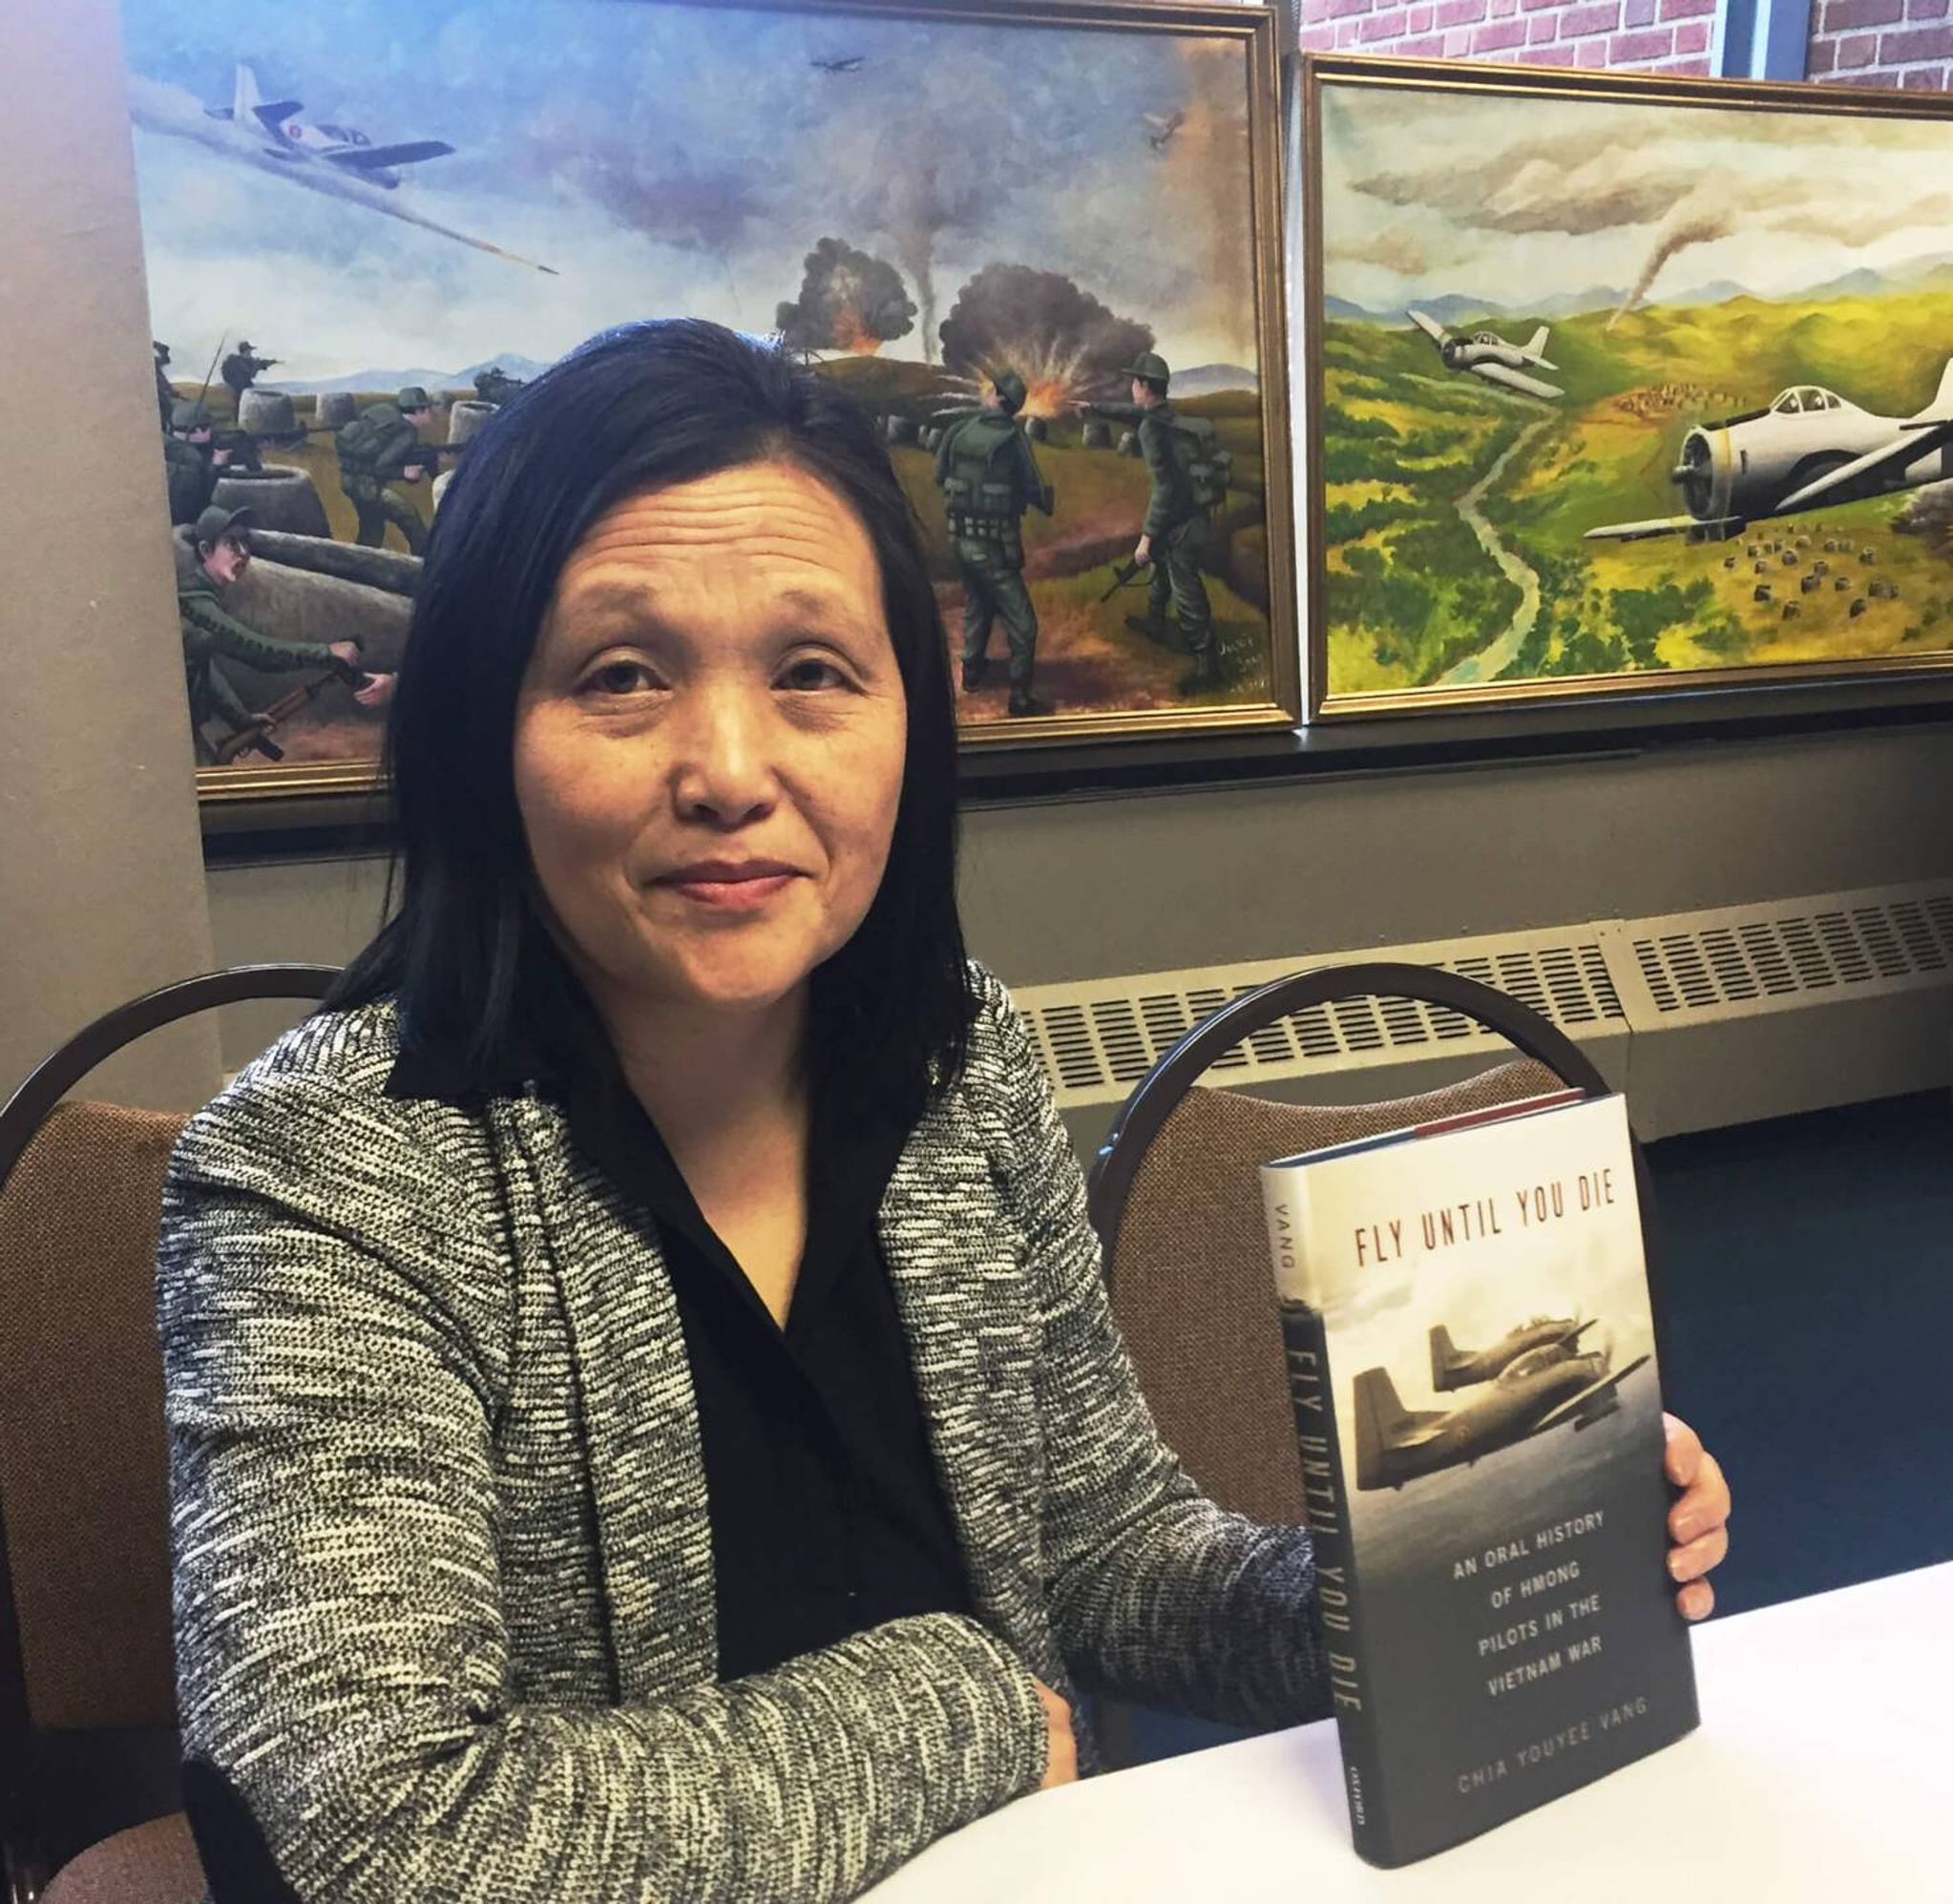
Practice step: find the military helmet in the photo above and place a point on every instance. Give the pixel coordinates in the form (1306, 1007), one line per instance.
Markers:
(212, 525)
(1010, 387)
(243, 347)
(1149, 367)
(162, 351)
(187, 413)
(412, 397)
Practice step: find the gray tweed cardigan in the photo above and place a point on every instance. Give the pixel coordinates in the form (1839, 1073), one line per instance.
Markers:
(444, 1601)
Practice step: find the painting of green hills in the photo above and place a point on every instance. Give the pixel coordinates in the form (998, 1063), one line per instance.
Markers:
(1622, 389)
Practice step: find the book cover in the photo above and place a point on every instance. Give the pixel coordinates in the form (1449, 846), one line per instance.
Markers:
(1472, 1363)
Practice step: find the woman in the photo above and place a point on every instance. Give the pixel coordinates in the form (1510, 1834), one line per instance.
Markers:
(645, 1417)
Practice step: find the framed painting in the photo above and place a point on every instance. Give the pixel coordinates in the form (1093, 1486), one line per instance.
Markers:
(1620, 384)
(1039, 243)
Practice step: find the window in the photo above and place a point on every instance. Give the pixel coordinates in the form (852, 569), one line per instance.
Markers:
(1761, 39)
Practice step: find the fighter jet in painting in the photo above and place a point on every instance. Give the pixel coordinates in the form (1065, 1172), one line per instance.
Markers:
(1165, 126)
(288, 136)
(1455, 1368)
(1808, 450)
(1489, 356)
(853, 63)
(1546, 1387)
(339, 161)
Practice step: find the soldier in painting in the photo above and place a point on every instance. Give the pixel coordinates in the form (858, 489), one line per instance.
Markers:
(189, 459)
(382, 446)
(1187, 477)
(988, 478)
(165, 390)
(240, 369)
(495, 385)
(212, 555)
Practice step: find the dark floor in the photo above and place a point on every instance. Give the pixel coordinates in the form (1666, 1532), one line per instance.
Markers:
(1809, 1277)
(1810, 1286)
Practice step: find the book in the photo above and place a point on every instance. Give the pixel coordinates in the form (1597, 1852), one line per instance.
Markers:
(1471, 1353)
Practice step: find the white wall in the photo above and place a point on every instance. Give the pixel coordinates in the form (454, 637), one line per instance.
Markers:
(101, 890)
(1146, 882)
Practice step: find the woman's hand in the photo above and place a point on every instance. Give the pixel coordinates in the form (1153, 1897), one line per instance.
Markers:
(1062, 1763)
(1698, 1522)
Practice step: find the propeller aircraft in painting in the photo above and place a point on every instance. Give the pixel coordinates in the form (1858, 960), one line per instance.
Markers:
(289, 137)
(268, 136)
(1810, 448)
(1487, 355)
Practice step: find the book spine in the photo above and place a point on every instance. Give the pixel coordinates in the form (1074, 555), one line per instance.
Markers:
(1326, 1509)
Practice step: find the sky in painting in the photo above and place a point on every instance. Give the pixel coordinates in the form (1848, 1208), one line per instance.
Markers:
(1500, 197)
(680, 158)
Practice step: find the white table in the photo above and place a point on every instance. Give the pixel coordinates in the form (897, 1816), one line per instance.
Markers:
(1823, 1770)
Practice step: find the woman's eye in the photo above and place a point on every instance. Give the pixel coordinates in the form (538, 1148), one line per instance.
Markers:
(619, 677)
(810, 673)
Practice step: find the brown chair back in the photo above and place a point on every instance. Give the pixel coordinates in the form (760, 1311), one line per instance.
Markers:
(1191, 1285)
(83, 1468)
(88, 1741)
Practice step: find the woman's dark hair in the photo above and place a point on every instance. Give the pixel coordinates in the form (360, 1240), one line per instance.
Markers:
(643, 407)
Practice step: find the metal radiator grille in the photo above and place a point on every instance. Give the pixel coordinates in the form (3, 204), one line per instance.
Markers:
(1100, 1037)
(1762, 956)
(1605, 978)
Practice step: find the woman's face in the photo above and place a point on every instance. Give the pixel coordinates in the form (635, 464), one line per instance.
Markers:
(710, 741)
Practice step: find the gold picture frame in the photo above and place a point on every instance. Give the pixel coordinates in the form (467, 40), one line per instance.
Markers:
(1090, 171)
(1618, 383)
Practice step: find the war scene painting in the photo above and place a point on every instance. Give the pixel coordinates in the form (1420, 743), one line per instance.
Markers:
(1040, 252)
(1622, 390)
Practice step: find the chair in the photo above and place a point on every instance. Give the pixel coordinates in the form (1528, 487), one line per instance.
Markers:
(1176, 1201)
(88, 1741)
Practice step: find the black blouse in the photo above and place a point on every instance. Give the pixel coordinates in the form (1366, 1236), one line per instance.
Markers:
(828, 1516)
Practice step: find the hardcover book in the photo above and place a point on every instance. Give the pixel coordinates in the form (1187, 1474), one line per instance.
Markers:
(1471, 1358)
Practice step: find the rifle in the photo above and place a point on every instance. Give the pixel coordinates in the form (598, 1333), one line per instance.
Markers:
(257, 738)
(204, 391)
(427, 459)
(243, 448)
(1123, 578)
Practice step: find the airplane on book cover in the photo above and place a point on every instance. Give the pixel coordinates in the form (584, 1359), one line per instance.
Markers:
(1542, 1388)
(1455, 1368)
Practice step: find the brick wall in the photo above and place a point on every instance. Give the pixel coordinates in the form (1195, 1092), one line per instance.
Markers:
(1906, 43)
(1636, 35)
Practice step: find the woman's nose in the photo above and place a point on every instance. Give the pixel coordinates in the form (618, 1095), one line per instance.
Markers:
(723, 771)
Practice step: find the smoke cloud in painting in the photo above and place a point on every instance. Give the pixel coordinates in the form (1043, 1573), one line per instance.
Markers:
(1580, 185)
(1572, 186)
(920, 206)
(848, 301)
(1058, 338)
(1203, 162)
(1697, 230)
(661, 195)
